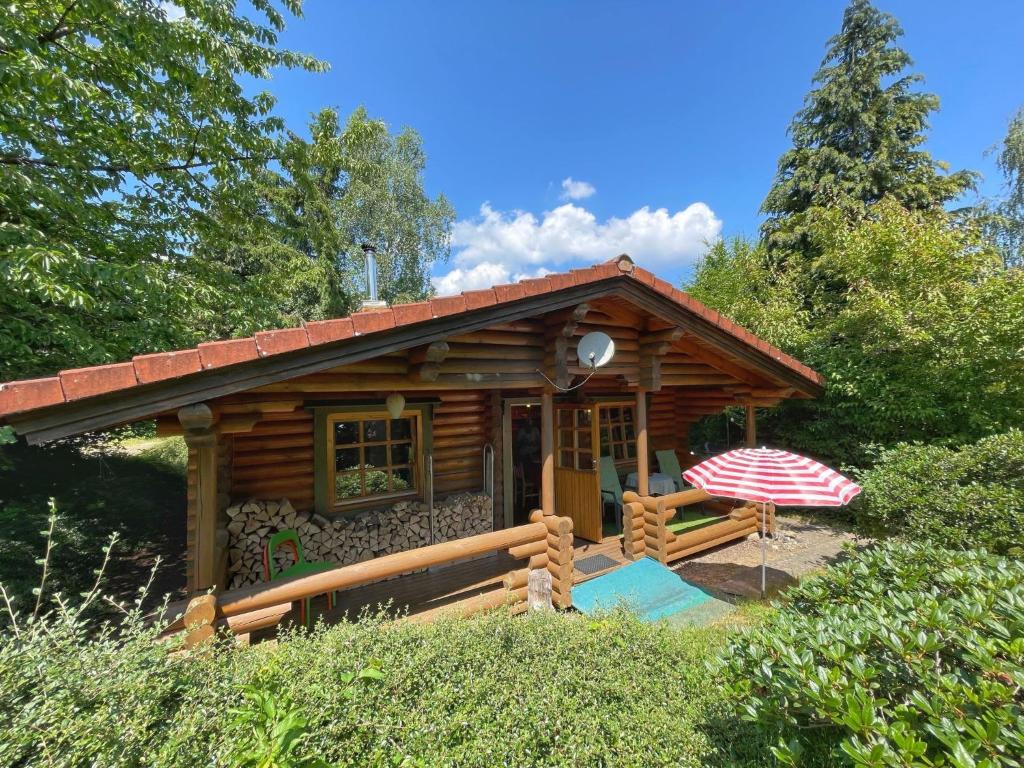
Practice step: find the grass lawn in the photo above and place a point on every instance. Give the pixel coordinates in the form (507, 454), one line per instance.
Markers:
(135, 487)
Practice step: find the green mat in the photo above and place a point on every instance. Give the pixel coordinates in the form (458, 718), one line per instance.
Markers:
(692, 519)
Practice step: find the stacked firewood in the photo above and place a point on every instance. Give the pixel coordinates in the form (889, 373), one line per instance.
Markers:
(345, 539)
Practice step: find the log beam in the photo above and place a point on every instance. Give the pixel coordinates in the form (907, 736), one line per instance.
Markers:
(201, 439)
(426, 361)
(560, 330)
(653, 347)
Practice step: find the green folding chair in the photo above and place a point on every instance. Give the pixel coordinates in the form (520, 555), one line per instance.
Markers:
(611, 487)
(301, 567)
(668, 464)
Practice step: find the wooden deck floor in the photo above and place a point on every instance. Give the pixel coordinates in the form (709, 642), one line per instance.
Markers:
(461, 587)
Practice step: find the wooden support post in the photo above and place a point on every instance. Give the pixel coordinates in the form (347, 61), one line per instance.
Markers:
(199, 618)
(633, 536)
(547, 452)
(197, 423)
(751, 419)
(642, 452)
(560, 556)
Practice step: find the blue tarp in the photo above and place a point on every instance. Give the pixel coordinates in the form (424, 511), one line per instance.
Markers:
(645, 587)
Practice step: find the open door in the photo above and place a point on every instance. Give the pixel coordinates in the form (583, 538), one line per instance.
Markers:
(577, 468)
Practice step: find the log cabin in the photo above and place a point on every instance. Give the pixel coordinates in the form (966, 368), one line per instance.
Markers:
(433, 424)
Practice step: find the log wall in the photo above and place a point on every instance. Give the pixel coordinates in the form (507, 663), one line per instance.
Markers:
(275, 459)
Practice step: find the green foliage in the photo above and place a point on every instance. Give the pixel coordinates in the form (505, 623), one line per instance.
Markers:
(964, 498)
(923, 343)
(538, 690)
(272, 731)
(858, 138)
(345, 188)
(136, 489)
(114, 122)
(906, 655)
(1004, 219)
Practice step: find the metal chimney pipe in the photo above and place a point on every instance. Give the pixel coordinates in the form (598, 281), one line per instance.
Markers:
(372, 300)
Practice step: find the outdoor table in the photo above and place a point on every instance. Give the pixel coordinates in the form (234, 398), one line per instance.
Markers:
(658, 484)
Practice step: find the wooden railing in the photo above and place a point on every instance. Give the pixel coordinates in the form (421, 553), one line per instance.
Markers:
(547, 541)
(651, 515)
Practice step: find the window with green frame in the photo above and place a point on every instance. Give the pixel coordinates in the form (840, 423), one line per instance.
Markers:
(366, 458)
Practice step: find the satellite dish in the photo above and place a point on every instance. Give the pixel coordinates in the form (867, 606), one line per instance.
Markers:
(595, 350)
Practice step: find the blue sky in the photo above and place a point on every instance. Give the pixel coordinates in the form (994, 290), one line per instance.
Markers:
(668, 117)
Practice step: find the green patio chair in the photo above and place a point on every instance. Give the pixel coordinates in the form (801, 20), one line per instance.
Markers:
(301, 567)
(668, 464)
(611, 487)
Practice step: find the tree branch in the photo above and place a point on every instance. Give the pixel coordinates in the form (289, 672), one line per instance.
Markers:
(59, 30)
(34, 162)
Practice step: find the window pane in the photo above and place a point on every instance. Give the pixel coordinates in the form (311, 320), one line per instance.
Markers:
(401, 429)
(613, 414)
(346, 432)
(347, 486)
(565, 438)
(617, 434)
(373, 431)
(617, 452)
(630, 433)
(584, 439)
(584, 460)
(565, 417)
(376, 455)
(376, 482)
(565, 459)
(627, 414)
(346, 458)
(630, 450)
(401, 453)
(583, 417)
(401, 479)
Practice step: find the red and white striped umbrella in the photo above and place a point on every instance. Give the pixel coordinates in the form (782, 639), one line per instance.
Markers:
(779, 477)
(763, 475)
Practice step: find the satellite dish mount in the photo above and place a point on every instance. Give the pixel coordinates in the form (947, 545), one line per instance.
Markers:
(594, 351)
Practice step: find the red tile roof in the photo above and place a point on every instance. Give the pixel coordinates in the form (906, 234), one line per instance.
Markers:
(19, 396)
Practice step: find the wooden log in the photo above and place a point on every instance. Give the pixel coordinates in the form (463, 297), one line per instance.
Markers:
(731, 536)
(539, 561)
(261, 596)
(516, 579)
(556, 524)
(669, 500)
(707, 533)
(265, 618)
(529, 549)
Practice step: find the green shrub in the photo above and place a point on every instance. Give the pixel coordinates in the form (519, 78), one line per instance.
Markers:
(539, 690)
(969, 497)
(906, 655)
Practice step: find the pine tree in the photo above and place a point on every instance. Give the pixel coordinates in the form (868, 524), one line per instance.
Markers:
(858, 138)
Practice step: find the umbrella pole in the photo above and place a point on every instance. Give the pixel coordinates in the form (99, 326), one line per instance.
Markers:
(764, 547)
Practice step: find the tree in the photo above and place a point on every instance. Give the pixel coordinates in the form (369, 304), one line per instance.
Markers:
(858, 138)
(923, 344)
(115, 119)
(331, 195)
(1007, 223)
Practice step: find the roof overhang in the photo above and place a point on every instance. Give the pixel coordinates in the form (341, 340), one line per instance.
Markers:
(146, 400)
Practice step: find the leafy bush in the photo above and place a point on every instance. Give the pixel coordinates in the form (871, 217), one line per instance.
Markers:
(969, 497)
(911, 317)
(538, 690)
(906, 655)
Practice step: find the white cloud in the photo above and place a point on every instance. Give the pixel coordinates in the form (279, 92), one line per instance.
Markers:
(576, 190)
(172, 11)
(497, 247)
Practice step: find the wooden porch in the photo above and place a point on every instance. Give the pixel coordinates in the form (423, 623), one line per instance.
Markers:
(459, 588)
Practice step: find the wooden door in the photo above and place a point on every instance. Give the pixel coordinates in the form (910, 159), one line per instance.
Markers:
(577, 471)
